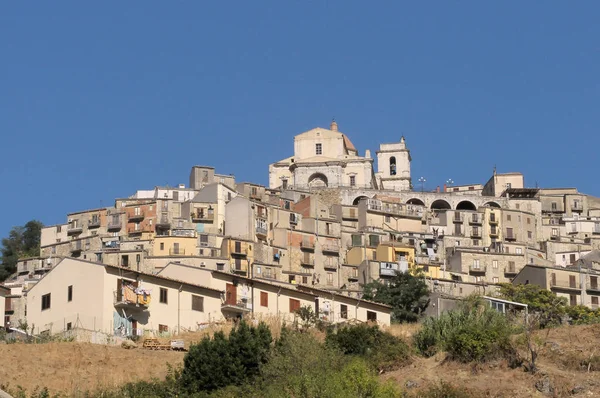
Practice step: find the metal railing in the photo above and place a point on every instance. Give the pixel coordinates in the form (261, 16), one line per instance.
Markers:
(306, 244)
(261, 230)
(565, 285)
(176, 252)
(136, 216)
(478, 269)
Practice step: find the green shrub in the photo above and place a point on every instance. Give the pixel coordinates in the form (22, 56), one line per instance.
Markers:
(300, 366)
(379, 348)
(443, 390)
(219, 362)
(582, 315)
(473, 332)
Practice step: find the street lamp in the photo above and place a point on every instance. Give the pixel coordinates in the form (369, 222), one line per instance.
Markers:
(422, 181)
(449, 181)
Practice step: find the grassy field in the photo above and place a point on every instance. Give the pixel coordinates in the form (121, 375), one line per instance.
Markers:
(570, 358)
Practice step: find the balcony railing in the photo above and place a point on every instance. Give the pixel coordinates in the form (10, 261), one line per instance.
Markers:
(133, 230)
(261, 231)
(476, 269)
(510, 237)
(74, 230)
(127, 298)
(493, 220)
(349, 214)
(457, 218)
(395, 209)
(136, 216)
(510, 271)
(94, 223)
(307, 262)
(576, 207)
(307, 245)
(76, 247)
(330, 248)
(163, 223)
(475, 234)
(237, 306)
(201, 216)
(493, 232)
(476, 219)
(565, 285)
(330, 266)
(114, 225)
(176, 252)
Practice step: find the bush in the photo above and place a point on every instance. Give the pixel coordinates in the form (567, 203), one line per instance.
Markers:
(219, 362)
(300, 366)
(379, 348)
(444, 390)
(582, 315)
(473, 332)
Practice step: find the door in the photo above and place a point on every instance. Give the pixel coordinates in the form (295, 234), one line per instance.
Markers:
(230, 294)
(594, 282)
(238, 247)
(572, 281)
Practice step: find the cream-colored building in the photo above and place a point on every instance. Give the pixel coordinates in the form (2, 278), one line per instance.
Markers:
(393, 166)
(99, 297)
(323, 158)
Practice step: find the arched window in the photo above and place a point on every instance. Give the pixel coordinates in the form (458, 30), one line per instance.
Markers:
(393, 166)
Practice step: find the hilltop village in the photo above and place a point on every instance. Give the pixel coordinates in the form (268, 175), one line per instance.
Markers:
(170, 259)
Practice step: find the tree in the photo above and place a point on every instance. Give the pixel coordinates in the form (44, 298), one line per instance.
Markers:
(23, 241)
(406, 293)
(546, 304)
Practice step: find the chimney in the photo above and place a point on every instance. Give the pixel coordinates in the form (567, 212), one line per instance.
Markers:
(445, 188)
(368, 154)
(438, 189)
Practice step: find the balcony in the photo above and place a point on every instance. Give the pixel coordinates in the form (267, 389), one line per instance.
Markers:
(349, 214)
(592, 285)
(494, 232)
(307, 262)
(476, 220)
(330, 266)
(140, 230)
(330, 248)
(396, 209)
(176, 252)
(510, 237)
(239, 250)
(596, 231)
(307, 245)
(202, 216)
(76, 247)
(74, 230)
(564, 285)
(476, 269)
(510, 271)
(163, 223)
(493, 221)
(238, 306)
(576, 206)
(475, 234)
(136, 216)
(94, 223)
(114, 225)
(261, 231)
(457, 218)
(128, 298)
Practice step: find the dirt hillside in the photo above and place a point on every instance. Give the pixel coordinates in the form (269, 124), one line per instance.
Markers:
(569, 365)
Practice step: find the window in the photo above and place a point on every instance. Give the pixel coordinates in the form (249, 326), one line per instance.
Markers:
(264, 299)
(529, 235)
(554, 206)
(319, 149)
(46, 301)
(69, 326)
(70, 293)
(475, 242)
(594, 301)
(163, 295)
(572, 300)
(163, 328)
(294, 305)
(305, 280)
(330, 278)
(284, 183)
(387, 218)
(327, 228)
(475, 263)
(494, 263)
(554, 231)
(197, 303)
(99, 257)
(517, 206)
(371, 316)
(528, 220)
(393, 166)
(58, 228)
(343, 311)
(352, 181)
(508, 217)
(518, 250)
(572, 258)
(495, 279)
(162, 246)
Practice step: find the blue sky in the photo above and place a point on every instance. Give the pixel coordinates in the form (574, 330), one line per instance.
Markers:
(99, 99)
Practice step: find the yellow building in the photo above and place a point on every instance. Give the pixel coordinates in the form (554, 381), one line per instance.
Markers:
(175, 246)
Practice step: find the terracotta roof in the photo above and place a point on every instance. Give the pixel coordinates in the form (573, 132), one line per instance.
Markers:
(348, 144)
